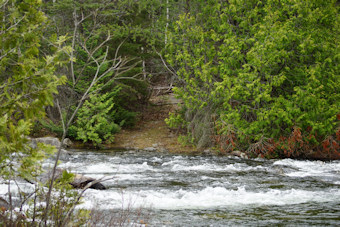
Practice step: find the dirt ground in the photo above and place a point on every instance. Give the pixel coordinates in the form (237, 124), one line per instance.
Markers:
(151, 132)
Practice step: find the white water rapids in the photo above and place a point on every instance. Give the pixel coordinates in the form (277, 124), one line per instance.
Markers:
(212, 191)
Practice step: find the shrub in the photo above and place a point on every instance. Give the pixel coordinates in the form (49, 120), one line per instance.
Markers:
(264, 68)
(95, 120)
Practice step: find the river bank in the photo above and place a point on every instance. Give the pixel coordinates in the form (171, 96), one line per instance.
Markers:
(150, 132)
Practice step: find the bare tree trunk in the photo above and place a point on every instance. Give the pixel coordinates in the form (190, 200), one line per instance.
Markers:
(167, 22)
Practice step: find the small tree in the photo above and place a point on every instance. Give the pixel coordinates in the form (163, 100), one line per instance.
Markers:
(95, 120)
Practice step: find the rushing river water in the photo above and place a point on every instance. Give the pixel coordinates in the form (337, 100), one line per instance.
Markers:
(214, 191)
(185, 190)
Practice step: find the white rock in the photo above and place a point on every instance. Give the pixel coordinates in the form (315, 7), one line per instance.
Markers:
(67, 142)
(46, 140)
(149, 149)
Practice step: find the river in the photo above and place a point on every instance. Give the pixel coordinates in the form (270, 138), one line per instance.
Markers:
(187, 190)
(184, 190)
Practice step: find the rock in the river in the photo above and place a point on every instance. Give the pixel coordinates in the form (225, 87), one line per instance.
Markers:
(239, 154)
(64, 155)
(79, 181)
(67, 142)
(46, 140)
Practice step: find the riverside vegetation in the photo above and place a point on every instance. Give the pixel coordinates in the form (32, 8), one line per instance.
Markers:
(259, 76)
(256, 76)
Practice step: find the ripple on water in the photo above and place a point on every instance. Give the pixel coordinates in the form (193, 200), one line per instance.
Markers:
(310, 168)
(217, 191)
(215, 197)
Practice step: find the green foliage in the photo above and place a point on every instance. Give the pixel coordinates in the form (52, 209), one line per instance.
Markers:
(106, 34)
(27, 85)
(185, 140)
(95, 120)
(63, 203)
(125, 118)
(175, 121)
(264, 67)
(49, 125)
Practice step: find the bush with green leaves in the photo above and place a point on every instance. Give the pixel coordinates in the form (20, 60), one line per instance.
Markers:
(263, 71)
(28, 83)
(95, 121)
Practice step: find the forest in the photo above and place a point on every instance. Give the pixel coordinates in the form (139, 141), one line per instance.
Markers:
(261, 77)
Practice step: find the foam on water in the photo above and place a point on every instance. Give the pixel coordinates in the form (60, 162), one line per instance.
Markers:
(99, 168)
(310, 168)
(106, 167)
(3, 188)
(156, 159)
(216, 168)
(135, 168)
(207, 198)
(16, 187)
(189, 184)
(175, 166)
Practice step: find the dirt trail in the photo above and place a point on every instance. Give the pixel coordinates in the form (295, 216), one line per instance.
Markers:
(151, 132)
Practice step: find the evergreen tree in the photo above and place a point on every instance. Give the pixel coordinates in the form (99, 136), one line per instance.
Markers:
(112, 42)
(263, 74)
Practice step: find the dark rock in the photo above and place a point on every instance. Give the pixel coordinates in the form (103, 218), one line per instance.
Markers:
(79, 181)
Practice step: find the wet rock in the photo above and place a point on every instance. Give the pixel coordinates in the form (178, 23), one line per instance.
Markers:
(46, 140)
(67, 142)
(64, 155)
(79, 181)
(239, 154)
(279, 170)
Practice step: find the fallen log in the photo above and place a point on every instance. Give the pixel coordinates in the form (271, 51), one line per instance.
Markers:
(79, 181)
